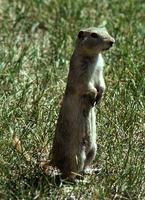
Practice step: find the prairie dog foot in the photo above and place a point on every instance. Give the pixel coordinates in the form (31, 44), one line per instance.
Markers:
(89, 170)
(71, 176)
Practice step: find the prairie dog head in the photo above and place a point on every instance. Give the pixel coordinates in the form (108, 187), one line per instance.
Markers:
(93, 40)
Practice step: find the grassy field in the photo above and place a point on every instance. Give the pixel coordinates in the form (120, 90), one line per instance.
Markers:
(36, 42)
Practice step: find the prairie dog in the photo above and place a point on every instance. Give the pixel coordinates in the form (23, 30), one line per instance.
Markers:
(74, 144)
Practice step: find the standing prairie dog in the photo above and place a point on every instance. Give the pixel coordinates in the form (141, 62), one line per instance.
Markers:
(74, 145)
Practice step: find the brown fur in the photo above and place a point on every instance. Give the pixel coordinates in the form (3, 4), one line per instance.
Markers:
(74, 145)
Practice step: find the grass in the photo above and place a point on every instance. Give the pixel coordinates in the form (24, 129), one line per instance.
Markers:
(36, 42)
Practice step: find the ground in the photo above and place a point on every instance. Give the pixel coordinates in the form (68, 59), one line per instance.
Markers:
(37, 38)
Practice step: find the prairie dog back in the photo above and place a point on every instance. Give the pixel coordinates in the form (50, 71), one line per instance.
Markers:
(74, 145)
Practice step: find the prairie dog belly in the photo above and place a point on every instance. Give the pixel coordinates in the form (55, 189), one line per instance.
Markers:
(78, 115)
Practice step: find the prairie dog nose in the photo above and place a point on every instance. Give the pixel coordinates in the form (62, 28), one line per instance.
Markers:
(111, 41)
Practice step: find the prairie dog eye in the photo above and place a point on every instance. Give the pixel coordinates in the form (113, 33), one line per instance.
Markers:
(94, 35)
(81, 35)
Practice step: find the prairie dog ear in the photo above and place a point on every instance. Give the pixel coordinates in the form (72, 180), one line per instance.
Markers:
(81, 35)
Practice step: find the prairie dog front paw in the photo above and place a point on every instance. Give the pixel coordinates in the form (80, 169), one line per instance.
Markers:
(100, 91)
(91, 96)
